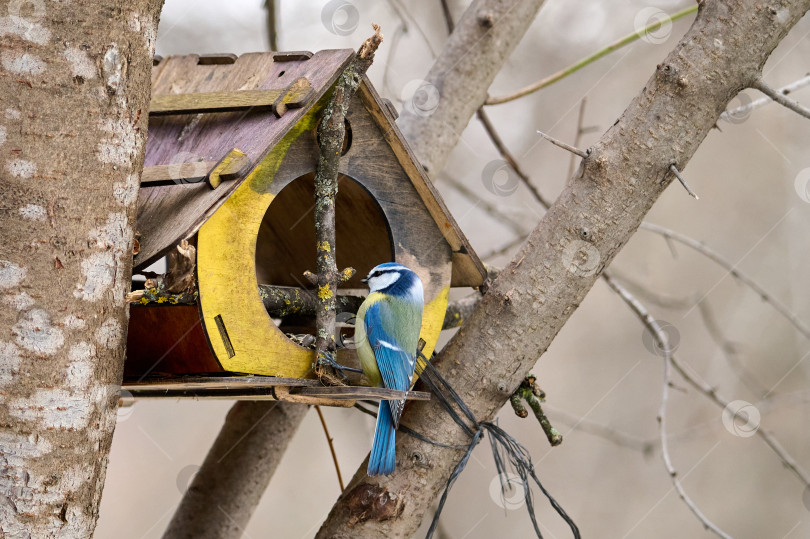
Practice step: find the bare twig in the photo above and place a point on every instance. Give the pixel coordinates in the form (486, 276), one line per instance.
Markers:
(559, 75)
(331, 447)
(711, 393)
(705, 389)
(581, 130)
(661, 337)
(400, 8)
(678, 175)
(284, 301)
(729, 350)
(272, 31)
(508, 157)
(582, 153)
(533, 395)
(733, 271)
(489, 209)
(331, 134)
(448, 16)
(605, 432)
(743, 110)
(781, 98)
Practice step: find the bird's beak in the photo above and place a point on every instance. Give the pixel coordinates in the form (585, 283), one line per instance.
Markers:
(364, 279)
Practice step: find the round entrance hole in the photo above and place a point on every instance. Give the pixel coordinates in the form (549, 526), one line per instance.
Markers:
(285, 246)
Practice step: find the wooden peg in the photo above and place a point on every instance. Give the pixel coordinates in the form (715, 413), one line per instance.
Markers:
(295, 96)
(233, 166)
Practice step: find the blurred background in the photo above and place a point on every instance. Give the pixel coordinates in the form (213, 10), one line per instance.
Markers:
(603, 384)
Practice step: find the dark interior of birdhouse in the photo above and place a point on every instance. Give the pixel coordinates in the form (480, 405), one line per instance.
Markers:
(285, 246)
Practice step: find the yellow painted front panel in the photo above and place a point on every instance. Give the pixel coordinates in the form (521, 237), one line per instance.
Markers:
(226, 262)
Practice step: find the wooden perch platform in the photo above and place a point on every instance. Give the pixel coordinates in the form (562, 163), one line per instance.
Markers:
(263, 388)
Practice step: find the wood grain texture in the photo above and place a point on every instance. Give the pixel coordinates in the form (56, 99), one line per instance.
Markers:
(227, 243)
(295, 95)
(167, 214)
(167, 339)
(468, 270)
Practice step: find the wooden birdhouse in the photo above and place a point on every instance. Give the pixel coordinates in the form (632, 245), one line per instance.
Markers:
(229, 167)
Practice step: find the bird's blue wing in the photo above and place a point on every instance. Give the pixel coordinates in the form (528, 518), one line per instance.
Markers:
(396, 365)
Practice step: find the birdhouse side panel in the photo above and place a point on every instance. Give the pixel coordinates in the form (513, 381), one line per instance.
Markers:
(418, 242)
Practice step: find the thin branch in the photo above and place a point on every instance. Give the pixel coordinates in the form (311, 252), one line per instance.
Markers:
(582, 153)
(781, 98)
(732, 269)
(272, 24)
(743, 110)
(705, 389)
(489, 209)
(678, 175)
(729, 350)
(581, 130)
(400, 8)
(605, 432)
(392, 48)
(653, 296)
(448, 16)
(502, 250)
(711, 393)
(284, 301)
(616, 45)
(655, 329)
(508, 157)
(331, 447)
(331, 133)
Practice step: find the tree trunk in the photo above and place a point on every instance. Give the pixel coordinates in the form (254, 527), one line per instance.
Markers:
(75, 94)
(598, 211)
(237, 470)
(457, 83)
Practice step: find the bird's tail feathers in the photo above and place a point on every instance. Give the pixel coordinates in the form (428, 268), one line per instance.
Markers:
(383, 456)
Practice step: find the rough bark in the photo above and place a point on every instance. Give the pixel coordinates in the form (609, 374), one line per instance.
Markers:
(456, 85)
(74, 89)
(229, 485)
(331, 133)
(598, 211)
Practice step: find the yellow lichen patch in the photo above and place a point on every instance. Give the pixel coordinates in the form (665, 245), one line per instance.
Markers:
(226, 266)
(324, 246)
(325, 292)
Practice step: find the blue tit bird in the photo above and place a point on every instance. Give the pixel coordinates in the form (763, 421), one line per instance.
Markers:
(387, 335)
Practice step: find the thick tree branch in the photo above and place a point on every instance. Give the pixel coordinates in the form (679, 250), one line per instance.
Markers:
(584, 229)
(229, 485)
(483, 39)
(74, 87)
